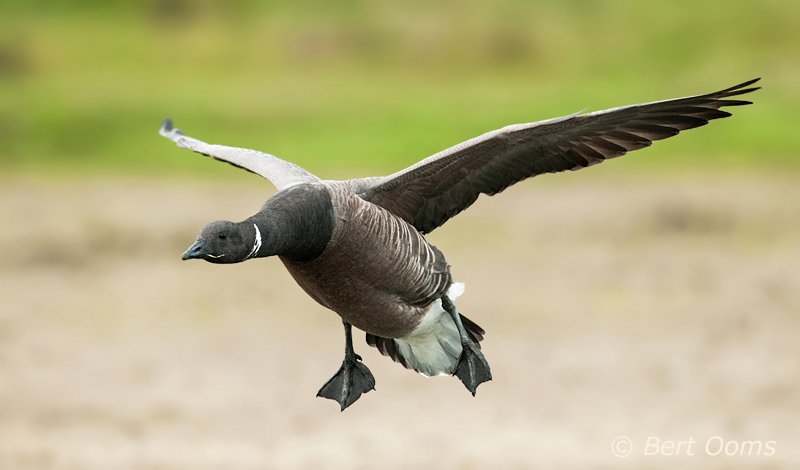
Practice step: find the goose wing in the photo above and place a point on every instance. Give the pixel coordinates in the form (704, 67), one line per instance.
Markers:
(279, 172)
(437, 188)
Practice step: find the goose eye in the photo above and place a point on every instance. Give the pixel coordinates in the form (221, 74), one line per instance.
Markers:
(222, 236)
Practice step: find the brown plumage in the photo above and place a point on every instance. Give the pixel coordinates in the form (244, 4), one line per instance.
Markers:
(377, 272)
(358, 247)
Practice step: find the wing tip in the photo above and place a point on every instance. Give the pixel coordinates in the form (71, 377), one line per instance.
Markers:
(739, 89)
(747, 83)
(167, 130)
(166, 127)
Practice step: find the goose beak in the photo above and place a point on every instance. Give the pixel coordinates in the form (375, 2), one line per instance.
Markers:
(198, 250)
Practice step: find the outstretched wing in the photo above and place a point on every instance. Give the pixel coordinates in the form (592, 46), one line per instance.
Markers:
(280, 172)
(432, 191)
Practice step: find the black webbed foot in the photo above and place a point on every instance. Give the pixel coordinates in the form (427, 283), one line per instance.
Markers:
(353, 378)
(347, 385)
(472, 367)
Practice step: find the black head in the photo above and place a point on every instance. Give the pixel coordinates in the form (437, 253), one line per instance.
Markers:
(226, 242)
(296, 223)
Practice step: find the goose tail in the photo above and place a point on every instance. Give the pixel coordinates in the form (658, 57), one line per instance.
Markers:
(433, 348)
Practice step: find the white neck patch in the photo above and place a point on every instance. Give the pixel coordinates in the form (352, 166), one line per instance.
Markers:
(256, 243)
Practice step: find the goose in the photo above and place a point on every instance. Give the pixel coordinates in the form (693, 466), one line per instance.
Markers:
(358, 247)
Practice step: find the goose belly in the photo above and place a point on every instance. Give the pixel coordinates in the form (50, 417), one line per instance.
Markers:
(365, 297)
(377, 272)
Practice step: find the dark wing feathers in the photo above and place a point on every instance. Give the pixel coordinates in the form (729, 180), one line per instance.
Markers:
(429, 193)
(474, 331)
(387, 347)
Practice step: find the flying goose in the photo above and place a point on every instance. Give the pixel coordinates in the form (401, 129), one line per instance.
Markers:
(358, 246)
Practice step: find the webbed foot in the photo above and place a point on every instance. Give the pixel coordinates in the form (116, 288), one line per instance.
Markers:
(472, 367)
(347, 385)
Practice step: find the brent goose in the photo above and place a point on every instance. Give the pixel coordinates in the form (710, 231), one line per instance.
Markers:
(358, 247)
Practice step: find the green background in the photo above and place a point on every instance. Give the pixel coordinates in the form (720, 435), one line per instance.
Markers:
(355, 87)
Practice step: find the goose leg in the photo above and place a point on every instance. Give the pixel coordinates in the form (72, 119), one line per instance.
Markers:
(352, 379)
(471, 367)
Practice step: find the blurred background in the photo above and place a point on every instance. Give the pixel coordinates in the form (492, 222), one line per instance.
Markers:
(656, 295)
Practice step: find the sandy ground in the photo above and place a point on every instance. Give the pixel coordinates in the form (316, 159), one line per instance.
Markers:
(663, 308)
